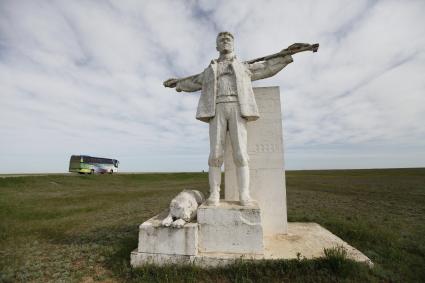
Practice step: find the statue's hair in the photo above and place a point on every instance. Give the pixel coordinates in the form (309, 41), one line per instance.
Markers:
(225, 33)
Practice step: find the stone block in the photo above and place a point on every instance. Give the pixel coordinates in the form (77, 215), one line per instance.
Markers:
(156, 239)
(267, 174)
(230, 228)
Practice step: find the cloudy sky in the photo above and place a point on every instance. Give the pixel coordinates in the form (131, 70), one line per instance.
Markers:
(85, 77)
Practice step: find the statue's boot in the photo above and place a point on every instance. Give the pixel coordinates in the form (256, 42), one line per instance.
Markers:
(214, 177)
(242, 174)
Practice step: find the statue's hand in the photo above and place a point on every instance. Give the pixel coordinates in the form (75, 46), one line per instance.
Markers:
(294, 47)
(171, 82)
(297, 46)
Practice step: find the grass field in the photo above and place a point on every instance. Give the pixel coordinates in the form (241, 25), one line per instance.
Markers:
(82, 228)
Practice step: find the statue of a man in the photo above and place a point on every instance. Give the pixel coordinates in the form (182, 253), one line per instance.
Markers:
(227, 103)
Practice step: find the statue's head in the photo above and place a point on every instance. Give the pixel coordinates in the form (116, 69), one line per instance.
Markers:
(224, 42)
(181, 208)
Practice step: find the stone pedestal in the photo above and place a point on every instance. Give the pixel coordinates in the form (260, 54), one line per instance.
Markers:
(230, 228)
(267, 174)
(155, 239)
(306, 239)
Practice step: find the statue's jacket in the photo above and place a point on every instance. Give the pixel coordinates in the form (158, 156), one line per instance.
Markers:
(244, 72)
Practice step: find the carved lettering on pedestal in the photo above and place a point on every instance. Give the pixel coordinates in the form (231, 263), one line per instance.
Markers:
(267, 148)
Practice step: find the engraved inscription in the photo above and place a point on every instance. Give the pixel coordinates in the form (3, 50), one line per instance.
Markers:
(267, 148)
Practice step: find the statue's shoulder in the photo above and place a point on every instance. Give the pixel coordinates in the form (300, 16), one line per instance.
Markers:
(239, 62)
(242, 65)
(211, 66)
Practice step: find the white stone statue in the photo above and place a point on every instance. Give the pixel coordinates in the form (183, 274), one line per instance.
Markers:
(227, 103)
(183, 208)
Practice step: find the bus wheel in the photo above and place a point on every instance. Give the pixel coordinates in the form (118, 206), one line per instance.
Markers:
(92, 171)
(112, 171)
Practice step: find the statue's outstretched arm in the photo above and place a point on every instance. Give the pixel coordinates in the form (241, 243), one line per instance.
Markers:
(187, 84)
(270, 65)
(268, 68)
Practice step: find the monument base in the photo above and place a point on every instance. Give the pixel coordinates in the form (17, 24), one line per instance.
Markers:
(156, 239)
(230, 228)
(305, 239)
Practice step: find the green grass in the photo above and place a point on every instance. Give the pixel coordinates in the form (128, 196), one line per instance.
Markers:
(83, 228)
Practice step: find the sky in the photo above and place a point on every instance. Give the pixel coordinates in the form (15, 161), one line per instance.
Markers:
(85, 77)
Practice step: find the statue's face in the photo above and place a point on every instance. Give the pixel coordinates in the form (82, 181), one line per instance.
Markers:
(225, 44)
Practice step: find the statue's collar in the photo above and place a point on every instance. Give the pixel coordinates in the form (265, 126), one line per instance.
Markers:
(224, 58)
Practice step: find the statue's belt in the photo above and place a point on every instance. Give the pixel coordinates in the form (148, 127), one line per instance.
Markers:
(226, 98)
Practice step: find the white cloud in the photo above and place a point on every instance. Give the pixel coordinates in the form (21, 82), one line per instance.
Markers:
(86, 77)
